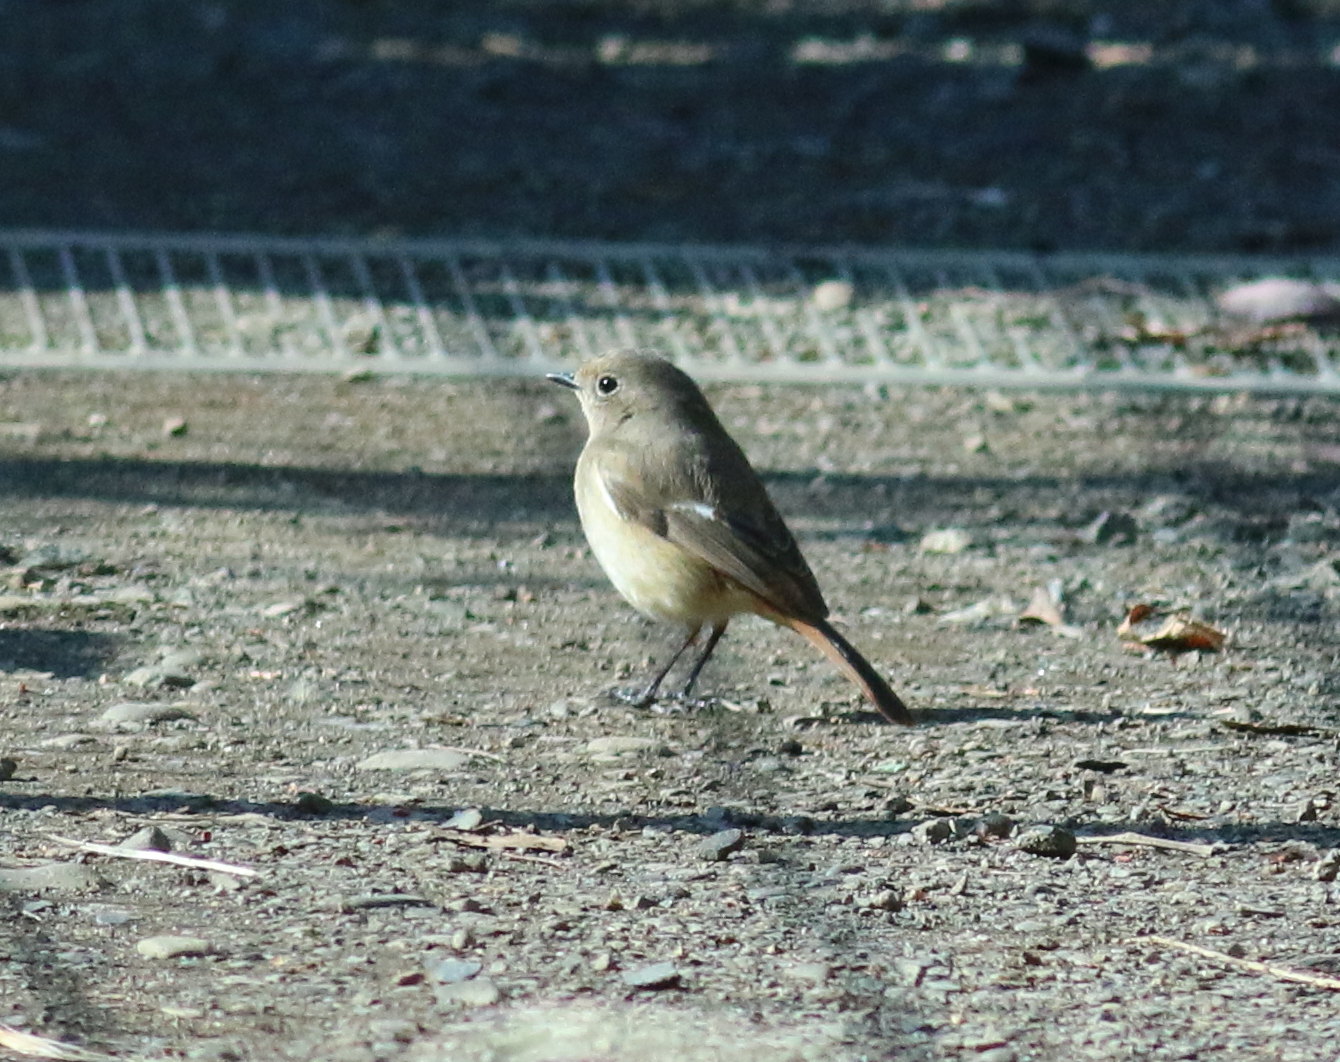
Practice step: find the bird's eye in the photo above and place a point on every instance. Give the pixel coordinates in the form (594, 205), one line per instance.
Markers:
(607, 385)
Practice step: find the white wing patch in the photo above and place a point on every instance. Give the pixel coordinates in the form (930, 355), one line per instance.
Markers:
(707, 512)
(606, 496)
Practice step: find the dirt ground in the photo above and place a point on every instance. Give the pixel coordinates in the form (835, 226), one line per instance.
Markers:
(312, 573)
(347, 634)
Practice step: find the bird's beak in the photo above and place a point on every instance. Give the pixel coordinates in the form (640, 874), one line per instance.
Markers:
(564, 378)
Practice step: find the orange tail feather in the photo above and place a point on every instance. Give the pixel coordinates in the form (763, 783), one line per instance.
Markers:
(856, 667)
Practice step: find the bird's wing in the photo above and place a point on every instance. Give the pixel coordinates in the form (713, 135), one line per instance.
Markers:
(742, 536)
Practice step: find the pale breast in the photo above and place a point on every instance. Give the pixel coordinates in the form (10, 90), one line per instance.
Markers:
(654, 575)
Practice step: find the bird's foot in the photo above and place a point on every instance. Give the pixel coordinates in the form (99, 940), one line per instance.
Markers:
(685, 702)
(634, 698)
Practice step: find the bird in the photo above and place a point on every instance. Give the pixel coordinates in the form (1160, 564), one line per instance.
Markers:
(682, 524)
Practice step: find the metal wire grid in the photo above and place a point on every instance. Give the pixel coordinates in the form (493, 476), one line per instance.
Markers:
(478, 308)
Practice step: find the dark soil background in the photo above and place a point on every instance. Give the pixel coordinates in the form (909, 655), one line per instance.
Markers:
(347, 633)
(1129, 124)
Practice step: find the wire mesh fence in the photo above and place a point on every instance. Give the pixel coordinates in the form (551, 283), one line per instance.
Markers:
(458, 307)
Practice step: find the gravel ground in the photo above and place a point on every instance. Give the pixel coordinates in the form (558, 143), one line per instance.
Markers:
(303, 579)
(347, 634)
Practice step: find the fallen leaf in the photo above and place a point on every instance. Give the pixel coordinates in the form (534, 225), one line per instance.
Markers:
(1177, 633)
(1042, 608)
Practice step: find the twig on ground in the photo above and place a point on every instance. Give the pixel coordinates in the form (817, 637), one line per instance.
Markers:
(1146, 841)
(31, 1046)
(1282, 973)
(524, 858)
(156, 856)
(506, 840)
(473, 752)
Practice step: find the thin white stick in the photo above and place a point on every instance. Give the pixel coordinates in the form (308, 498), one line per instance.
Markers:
(1153, 842)
(1283, 973)
(31, 1046)
(157, 857)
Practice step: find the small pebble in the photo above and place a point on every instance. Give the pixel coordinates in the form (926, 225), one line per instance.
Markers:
(657, 975)
(1054, 841)
(137, 715)
(945, 540)
(309, 803)
(51, 877)
(452, 971)
(476, 992)
(67, 741)
(415, 760)
(719, 846)
(615, 747)
(149, 839)
(830, 295)
(173, 947)
(933, 831)
(466, 819)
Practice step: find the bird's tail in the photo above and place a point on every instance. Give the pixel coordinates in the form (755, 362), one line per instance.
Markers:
(854, 666)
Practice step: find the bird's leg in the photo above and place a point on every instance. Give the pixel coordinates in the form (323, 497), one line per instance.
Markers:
(648, 696)
(718, 629)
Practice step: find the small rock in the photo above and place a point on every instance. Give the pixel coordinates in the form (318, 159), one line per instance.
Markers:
(615, 747)
(718, 847)
(7, 768)
(173, 947)
(657, 975)
(975, 444)
(813, 972)
(1108, 528)
(831, 295)
(1054, 841)
(137, 715)
(466, 819)
(467, 863)
(945, 540)
(155, 675)
(882, 900)
(1328, 866)
(180, 660)
(415, 760)
(453, 971)
(68, 741)
(149, 839)
(51, 877)
(933, 831)
(175, 426)
(309, 803)
(994, 824)
(1276, 299)
(476, 992)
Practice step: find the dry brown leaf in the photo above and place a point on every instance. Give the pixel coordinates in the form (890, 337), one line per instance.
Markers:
(1178, 633)
(1042, 608)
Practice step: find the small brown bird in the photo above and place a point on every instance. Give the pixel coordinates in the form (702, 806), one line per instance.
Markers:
(683, 526)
